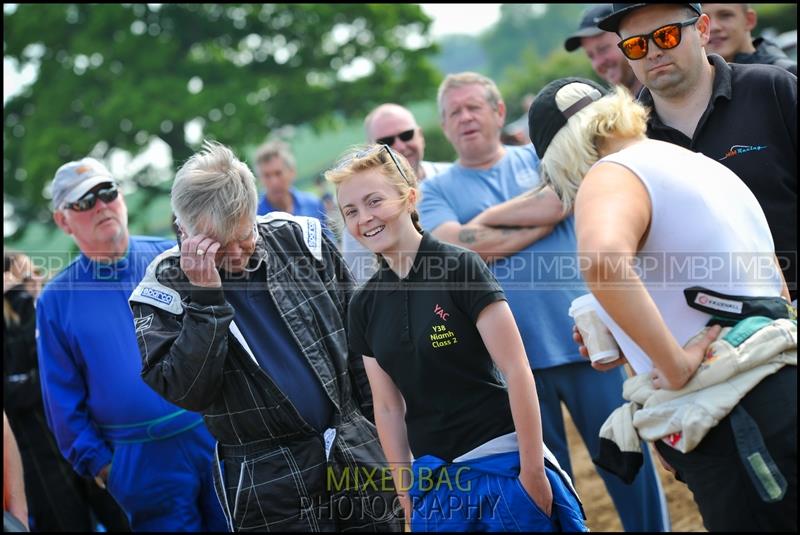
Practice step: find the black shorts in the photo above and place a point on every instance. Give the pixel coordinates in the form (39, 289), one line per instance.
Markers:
(725, 494)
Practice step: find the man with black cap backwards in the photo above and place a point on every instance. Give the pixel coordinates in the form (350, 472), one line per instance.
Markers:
(744, 116)
(154, 457)
(601, 48)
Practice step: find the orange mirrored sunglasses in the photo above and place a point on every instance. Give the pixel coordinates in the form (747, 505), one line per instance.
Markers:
(665, 37)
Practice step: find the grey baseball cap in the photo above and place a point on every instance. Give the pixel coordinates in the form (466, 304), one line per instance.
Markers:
(74, 179)
(588, 26)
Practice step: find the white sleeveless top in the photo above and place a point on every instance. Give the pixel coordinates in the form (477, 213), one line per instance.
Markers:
(707, 229)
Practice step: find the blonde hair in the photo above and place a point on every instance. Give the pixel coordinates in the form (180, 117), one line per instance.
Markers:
(366, 157)
(453, 81)
(573, 150)
(215, 188)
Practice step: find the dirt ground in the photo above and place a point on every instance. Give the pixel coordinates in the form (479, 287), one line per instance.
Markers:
(600, 512)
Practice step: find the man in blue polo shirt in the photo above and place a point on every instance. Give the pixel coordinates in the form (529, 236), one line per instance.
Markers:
(275, 167)
(537, 269)
(154, 458)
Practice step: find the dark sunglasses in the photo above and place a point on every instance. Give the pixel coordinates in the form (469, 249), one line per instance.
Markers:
(665, 37)
(88, 201)
(408, 135)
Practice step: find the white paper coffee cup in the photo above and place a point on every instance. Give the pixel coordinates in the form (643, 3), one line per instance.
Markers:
(599, 341)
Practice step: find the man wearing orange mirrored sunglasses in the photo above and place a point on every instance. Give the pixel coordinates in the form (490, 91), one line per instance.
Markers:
(744, 116)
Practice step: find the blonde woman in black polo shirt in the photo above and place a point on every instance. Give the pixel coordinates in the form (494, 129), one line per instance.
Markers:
(434, 328)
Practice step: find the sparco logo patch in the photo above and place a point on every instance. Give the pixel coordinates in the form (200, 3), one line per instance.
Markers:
(311, 225)
(718, 304)
(161, 297)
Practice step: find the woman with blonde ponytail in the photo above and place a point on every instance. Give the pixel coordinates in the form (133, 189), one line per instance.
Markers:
(436, 333)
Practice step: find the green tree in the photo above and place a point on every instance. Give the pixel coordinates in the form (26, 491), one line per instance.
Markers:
(523, 27)
(460, 53)
(119, 75)
(780, 17)
(437, 148)
(533, 73)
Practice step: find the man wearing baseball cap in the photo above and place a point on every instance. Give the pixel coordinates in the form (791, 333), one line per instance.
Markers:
(601, 49)
(611, 21)
(154, 458)
(744, 116)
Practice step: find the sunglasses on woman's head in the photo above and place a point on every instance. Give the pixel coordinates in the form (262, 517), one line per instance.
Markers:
(88, 201)
(408, 135)
(665, 37)
(370, 150)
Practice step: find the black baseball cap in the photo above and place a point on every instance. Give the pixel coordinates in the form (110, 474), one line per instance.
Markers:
(588, 26)
(619, 11)
(546, 117)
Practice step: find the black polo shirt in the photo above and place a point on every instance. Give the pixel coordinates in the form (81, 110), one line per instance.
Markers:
(750, 126)
(422, 331)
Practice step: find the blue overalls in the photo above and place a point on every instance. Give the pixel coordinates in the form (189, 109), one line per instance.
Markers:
(485, 494)
(161, 474)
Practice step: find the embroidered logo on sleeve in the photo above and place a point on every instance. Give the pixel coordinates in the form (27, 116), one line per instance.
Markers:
(156, 295)
(143, 323)
(312, 232)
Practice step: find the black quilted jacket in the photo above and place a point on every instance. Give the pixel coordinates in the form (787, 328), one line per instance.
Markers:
(274, 470)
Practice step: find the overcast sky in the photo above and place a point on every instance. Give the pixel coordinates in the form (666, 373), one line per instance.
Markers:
(461, 18)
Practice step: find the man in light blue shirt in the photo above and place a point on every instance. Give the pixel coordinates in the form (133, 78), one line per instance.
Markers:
(537, 268)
